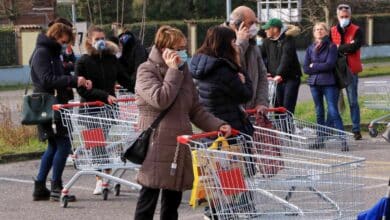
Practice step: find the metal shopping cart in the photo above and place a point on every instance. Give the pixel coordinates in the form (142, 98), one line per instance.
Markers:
(306, 184)
(98, 139)
(272, 85)
(302, 134)
(377, 96)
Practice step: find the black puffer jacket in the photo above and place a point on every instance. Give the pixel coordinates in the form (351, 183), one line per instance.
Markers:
(104, 70)
(48, 75)
(220, 89)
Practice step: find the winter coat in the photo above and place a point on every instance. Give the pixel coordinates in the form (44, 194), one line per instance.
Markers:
(220, 89)
(104, 70)
(133, 55)
(253, 65)
(324, 61)
(156, 88)
(281, 55)
(48, 76)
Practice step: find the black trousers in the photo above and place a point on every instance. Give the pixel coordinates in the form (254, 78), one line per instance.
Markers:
(287, 94)
(147, 202)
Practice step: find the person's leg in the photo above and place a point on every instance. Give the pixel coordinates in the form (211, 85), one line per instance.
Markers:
(170, 202)
(352, 93)
(318, 98)
(331, 96)
(290, 96)
(146, 204)
(280, 94)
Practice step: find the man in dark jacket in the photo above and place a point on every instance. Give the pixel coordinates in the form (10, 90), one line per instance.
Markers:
(133, 55)
(282, 62)
(349, 38)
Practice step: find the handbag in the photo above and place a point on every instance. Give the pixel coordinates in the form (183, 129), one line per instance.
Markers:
(343, 74)
(137, 150)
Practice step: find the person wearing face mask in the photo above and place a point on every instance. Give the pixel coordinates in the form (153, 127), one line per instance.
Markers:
(163, 82)
(244, 22)
(48, 76)
(282, 61)
(348, 38)
(101, 66)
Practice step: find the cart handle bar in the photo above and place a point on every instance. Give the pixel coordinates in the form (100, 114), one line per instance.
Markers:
(57, 107)
(184, 139)
(126, 100)
(278, 109)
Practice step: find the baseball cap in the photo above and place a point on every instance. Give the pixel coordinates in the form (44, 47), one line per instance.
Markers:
(273, 22)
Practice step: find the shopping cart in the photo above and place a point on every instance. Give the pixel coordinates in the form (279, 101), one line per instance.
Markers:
(98, 140)
(306, 184)
(301, 134)
(377, 96)
(272, 85)
(122, 93)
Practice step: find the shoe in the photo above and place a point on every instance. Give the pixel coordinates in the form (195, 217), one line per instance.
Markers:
(99, 188)
(357, 135)
(56, 190)
(40, 193)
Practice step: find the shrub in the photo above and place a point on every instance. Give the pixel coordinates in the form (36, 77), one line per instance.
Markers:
(8, 51)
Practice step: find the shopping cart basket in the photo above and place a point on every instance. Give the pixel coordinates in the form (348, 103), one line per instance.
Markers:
(98, 141)
(307, 184)
(377, 96)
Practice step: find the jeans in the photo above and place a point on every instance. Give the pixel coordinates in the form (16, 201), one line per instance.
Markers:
(147, 201)
(352, 94)
(55, 156)
(287, 94)
(331, 94)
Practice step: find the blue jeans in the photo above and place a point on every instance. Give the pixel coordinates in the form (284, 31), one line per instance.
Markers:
(287, 94)
(352, 94)
(54, 157)
(331, 94)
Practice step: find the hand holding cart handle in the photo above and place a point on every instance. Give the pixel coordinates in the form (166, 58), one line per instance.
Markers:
(184, 139)
(57, 107)
(126, 100)
(278, 110)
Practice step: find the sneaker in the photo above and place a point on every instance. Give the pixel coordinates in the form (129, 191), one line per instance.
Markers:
(357, 135)
(99, 188)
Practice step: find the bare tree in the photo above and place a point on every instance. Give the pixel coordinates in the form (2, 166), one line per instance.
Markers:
(8, 8)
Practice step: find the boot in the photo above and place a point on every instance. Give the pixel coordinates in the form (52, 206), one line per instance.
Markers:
(40, 191)
(55, 192)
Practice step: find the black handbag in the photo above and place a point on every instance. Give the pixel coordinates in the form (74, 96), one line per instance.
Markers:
(137, 150)
(37, 108)
(343, 74)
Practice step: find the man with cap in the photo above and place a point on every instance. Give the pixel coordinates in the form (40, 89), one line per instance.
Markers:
(282, 61)
(349, 38)
(243, 20)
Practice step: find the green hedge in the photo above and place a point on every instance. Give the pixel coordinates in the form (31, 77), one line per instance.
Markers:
(8, 51)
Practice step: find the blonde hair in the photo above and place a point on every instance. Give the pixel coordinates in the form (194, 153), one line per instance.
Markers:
(58, 30)
(322, 24)
(167, 37)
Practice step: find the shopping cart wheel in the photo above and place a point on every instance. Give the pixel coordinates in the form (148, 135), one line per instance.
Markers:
(373, 132)
(117, 189)
(64, 201)
(105, 194)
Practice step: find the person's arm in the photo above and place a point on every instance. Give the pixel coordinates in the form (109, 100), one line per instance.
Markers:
(355, 45)
(42, 65)
(330, 62)
(94, 93)
(306, 64)
(123, 78)
(240, 92)
(158, 94)
(288, 50)
(262, 85)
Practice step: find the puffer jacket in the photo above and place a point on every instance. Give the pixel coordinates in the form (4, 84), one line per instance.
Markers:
(104, 70)
(221, 90)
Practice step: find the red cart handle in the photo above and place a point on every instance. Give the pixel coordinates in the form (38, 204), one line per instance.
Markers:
(126, 100)
(57, 107)
(278, 109)
(184, 139)
(117, 86)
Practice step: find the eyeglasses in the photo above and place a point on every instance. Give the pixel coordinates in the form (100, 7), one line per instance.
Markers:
(343, 8)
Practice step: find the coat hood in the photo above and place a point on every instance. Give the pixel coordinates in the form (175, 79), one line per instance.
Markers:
(52, 45)
(292, 30)
(202, 65)
(111, 48)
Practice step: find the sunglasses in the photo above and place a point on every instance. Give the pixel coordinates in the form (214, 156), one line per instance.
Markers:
(343, 8)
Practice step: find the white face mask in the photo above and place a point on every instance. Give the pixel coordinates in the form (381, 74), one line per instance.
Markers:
(118, 55)
(253, 30)
(344, 22)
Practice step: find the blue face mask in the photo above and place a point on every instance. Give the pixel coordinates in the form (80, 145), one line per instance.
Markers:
(259, 41)
(183, 57)
(344, 22)
(100, 45)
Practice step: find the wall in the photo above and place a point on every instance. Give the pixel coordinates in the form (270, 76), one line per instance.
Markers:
(28, 40)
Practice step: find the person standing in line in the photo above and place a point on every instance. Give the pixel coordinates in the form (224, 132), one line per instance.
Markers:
(348, 38)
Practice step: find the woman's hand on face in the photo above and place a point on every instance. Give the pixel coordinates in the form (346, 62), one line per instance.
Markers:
(111, 99)
(171, 58)
(81, 81)
(242, 77)
(226, 130)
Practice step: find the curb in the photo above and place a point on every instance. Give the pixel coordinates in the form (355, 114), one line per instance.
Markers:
(8, 158)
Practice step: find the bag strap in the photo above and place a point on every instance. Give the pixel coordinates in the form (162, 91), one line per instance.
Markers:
(30, 79)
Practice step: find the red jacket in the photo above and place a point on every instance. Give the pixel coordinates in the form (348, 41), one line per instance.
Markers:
(354, 62)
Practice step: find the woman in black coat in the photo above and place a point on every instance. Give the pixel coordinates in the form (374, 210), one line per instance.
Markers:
(48, 76)
(222, 87)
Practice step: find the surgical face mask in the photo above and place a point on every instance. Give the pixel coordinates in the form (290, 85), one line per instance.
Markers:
(100, 45)
(259, 41)
(183, 57)
(118, 55)
(344, 22)
(64, 46)
(253, 30)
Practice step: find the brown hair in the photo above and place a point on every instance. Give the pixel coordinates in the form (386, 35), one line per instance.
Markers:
(58, 30)
(91, 30)
(167, 37)
(62, 21)
(218, 43)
